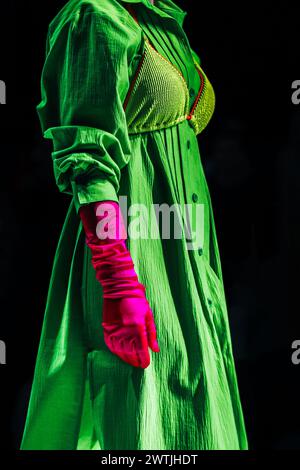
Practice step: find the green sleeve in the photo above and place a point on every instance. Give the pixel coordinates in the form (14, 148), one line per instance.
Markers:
(84, 82)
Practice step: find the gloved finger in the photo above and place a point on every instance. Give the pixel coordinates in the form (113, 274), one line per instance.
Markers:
(143, 357)
(134, 347)
(129, 358)
(151, 331)
(141, 347)
(108, 342)
(112, 341)
(112, 345)
(119, 346)
(127, 352)
(135, 350)
(137, 353)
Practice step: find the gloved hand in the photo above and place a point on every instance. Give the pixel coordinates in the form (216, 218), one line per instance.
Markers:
(128, 322)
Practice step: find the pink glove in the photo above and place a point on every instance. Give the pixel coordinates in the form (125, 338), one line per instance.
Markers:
(128, 322)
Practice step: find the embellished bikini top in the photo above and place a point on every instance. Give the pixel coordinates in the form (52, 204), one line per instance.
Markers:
(158, 96)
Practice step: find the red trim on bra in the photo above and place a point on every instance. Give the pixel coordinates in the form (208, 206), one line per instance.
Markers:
(198, 95)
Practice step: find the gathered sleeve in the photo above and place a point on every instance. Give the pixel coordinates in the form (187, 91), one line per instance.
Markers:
(84, 82)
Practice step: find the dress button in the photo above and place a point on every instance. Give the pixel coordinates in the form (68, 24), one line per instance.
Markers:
(194, 197)
(209, 301)
(200, 251)
(188, 144)
(192, 92)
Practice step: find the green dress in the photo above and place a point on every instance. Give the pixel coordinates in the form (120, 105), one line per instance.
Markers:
(123, 99)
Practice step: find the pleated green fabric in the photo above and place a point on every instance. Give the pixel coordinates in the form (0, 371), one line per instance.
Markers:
(83, 396)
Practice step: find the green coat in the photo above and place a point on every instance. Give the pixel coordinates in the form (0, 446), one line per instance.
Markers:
(83, 396)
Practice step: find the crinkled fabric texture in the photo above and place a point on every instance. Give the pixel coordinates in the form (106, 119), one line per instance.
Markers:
(83, 396)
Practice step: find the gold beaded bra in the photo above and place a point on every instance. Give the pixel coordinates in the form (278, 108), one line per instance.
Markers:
(158, 96)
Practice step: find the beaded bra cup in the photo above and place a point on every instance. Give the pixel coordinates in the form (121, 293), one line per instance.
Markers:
(158, 96)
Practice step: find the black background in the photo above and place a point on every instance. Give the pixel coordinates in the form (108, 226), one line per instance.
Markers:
(250, 152)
